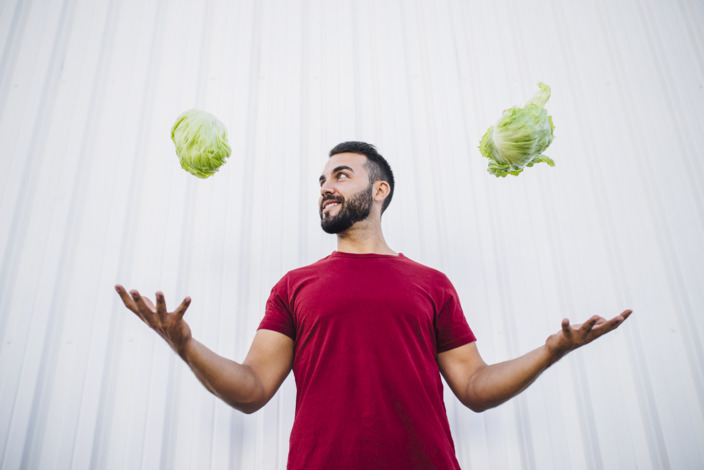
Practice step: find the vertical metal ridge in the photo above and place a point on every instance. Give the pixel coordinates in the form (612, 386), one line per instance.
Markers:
(304, 146)
(8, 57)
(247, 189)
(425, 98)
(36, 152)
(586, 410)
(175, 371)
(683, 312)
(696, 38)
(356, 80)
(100, 444)
(657, 448)
(31, 453)
(21, 216)
(579, 381)
(408, 64)
(694, 173)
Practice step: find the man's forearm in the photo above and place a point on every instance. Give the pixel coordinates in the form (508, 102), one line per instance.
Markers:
(480, 386)
(234, 383)
(495, 384)
(247, 386)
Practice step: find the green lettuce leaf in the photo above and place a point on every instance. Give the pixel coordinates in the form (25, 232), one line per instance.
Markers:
(519, 137)
(201, 142)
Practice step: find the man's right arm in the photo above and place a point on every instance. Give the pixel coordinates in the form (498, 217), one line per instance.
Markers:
(247, 386)
(250, 385)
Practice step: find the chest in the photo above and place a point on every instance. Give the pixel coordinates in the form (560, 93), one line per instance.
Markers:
(366, 305)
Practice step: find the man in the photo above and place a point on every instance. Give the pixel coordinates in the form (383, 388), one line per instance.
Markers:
(367, 333)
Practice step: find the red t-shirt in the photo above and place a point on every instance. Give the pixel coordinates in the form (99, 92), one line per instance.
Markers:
(367, 331)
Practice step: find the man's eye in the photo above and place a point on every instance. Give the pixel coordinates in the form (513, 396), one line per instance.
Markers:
(341, 175)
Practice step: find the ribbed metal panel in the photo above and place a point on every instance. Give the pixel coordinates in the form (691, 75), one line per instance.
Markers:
(91, 194)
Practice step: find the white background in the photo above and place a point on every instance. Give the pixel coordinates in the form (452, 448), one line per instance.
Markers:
(91, 194)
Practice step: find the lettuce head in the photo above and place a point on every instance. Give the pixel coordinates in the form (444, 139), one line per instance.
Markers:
(519, 137)
(201, 142)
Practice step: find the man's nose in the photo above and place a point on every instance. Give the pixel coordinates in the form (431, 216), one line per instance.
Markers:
(326, 188)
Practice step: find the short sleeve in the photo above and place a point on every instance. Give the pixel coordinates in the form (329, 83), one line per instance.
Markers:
(452, 329)
(278, 315)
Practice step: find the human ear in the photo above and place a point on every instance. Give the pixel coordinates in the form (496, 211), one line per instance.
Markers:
(381, 191)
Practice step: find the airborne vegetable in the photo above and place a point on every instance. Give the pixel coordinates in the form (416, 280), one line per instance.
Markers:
(201, 142)
(519, 137)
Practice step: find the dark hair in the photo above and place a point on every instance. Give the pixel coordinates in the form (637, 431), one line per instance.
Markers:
(378, 168)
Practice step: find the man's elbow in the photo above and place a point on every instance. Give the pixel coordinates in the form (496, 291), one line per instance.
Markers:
(249, 409)
(479, 402)
(478, 406)
(244, 407)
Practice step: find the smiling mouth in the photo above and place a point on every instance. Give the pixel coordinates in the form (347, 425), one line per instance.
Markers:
(327, 207)
(330, 203)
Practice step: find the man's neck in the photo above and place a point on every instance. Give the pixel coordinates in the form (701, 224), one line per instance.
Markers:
(364, 238)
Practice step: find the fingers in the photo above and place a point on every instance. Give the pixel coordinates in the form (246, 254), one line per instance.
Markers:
(566, 327)
(600, 326)
(143, 303)
(146, 310)
(141, 306)
(573, 337)
(615, 322)
(620, 318)
(126, 298)
(586, 332)
(588, 325)
(181, 310)
(160, 305)
(625, 314)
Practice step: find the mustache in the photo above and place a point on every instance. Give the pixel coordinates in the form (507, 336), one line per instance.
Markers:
(339, 199)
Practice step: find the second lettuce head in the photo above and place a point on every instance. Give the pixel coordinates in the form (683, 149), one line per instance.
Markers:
(519, 137)
(201, 142)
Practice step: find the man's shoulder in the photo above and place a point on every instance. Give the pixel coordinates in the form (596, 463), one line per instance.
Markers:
(308, 269)
(425, 270)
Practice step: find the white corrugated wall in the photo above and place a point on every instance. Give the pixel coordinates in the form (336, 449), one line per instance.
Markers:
(91, 194)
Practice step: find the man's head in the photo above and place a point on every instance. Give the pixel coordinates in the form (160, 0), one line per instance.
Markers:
(356, 182)
(377, 166)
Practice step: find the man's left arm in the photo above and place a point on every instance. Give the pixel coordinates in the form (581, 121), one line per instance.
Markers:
(480, 386)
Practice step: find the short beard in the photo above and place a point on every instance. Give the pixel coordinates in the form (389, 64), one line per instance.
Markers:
(356, 209)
